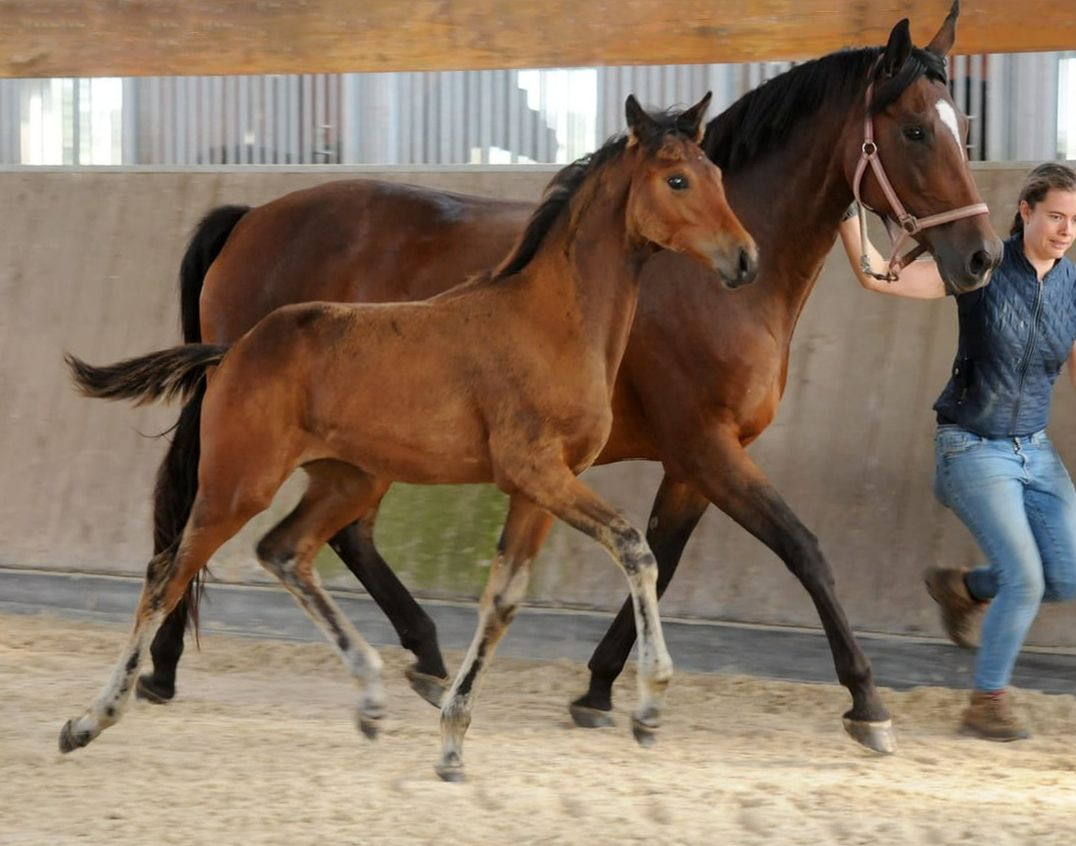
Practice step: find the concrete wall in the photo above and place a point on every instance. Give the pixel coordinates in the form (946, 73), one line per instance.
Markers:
(88, 261)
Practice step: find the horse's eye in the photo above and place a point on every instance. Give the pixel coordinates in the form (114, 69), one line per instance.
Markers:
(677, 183)
(915, 133)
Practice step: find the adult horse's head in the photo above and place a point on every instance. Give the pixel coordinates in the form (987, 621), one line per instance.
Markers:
(907, 162)
(677, 197)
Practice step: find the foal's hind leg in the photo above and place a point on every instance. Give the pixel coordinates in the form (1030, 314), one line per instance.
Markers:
(167, 577)
(416, 630)
(336, 495)
(524, 532)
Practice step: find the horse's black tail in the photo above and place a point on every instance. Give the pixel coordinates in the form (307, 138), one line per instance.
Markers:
(160, 375)
(202, 250)
(177, 477)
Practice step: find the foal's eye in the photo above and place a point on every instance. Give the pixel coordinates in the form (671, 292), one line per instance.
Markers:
(915, 133)
(677, 183)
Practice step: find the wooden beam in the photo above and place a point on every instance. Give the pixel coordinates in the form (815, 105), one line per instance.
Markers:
(82, 38)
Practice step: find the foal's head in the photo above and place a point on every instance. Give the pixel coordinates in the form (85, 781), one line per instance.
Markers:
(677, 198)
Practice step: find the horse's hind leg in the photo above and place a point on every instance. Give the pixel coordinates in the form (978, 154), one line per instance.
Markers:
(167, 577)
(676, 512)
(416, 630)
(173, 495)
(336, 495)
(524, 532)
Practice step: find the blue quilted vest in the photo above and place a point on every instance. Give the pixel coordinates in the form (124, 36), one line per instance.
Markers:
(1015, 334)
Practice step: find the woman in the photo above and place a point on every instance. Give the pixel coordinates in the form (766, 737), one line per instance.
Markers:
(994, 465)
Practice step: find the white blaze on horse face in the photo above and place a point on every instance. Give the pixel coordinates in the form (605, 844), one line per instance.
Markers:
(948, 117)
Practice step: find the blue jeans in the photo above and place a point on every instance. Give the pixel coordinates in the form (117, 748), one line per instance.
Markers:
(1016, 497)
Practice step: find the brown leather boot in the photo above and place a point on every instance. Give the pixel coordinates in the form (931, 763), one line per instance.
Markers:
(990, 716)
(960, 613)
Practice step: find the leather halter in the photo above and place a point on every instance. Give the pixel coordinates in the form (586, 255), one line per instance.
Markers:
(909, 223)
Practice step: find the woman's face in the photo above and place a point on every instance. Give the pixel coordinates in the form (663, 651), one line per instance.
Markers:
(1049, 227)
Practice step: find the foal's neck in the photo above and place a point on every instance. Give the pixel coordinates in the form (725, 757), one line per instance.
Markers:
(596, 263)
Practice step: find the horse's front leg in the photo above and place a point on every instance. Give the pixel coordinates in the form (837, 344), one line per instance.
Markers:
(416, 630)
(676, 511)
(524, 532)
(735, 484)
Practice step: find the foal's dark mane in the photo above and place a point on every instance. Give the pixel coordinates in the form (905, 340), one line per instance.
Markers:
(763, 118)
(565, 185)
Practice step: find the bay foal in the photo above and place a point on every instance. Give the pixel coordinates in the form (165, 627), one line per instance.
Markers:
(507, 378)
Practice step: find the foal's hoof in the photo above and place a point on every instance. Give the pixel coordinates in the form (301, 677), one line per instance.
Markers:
(645, 735)
(70, 740)
(876, 736)
(430, 688)
(451, 774)
(587, 717)
(450, 769)
(153, 691)
(369, 725)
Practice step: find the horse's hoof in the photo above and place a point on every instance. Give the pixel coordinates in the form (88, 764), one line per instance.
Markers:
(70, 740)
(589, 718)
(645, 735)
(876, 736)
(430, 688)
(149, 690)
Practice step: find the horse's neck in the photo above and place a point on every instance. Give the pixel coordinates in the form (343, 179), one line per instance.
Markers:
(796, 227)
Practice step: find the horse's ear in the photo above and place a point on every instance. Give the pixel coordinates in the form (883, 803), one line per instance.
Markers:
(640, 124)
(690, 121)
(942, 43)
(898, 49)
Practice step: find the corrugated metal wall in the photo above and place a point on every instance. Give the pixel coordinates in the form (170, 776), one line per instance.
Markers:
(445, 118)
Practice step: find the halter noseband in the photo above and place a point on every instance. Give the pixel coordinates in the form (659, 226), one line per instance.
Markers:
(909, 223)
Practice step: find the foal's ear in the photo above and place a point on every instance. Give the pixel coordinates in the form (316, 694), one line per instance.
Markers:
(942, 43)
(690, 121)
(898, 49)
(640, 124)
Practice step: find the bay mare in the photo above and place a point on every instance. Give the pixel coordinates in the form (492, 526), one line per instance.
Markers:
(704, 369)
(505, 379)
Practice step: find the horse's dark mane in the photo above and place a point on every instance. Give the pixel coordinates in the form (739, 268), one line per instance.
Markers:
(565, 184)
(764, 118)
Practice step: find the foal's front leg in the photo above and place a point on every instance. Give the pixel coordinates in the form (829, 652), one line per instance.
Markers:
(524, 532)
(577, 505)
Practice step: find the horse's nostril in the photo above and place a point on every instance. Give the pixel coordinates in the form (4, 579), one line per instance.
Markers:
(981, 262)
